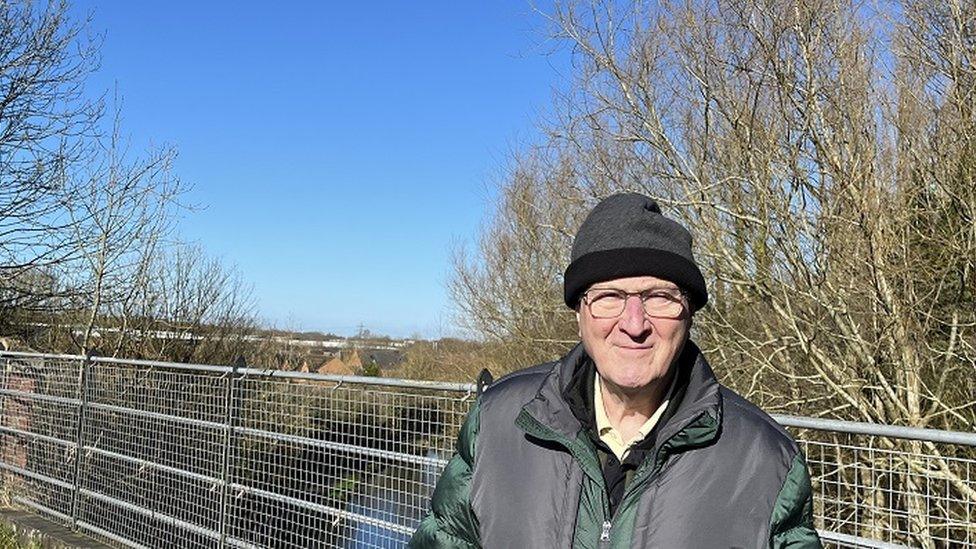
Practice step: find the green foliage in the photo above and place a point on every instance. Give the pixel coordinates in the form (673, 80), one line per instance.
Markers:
(9, 539)
(371, 369)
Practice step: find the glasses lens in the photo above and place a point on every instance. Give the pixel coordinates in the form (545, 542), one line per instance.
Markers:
(607, 303)
(664, 304)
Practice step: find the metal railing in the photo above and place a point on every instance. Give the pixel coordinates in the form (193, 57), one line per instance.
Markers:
(150, 454)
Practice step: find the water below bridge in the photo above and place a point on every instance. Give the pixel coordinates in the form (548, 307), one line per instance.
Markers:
(402, 500)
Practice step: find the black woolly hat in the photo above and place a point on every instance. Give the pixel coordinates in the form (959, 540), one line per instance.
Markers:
(626, 235)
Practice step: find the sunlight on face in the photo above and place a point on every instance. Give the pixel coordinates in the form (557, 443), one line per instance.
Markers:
(633, 350)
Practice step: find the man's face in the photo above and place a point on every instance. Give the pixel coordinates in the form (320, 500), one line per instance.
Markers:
(633, 350)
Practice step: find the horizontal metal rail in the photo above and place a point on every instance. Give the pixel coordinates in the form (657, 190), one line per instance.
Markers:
(38, 436)
(105, 533)
(37, 476)
(24, 395)
(43, 508)
(26, 502)
(874, 429)
(467, 388)
(29, 355)
(342, 447)
(157, 415)
(155, 465)
(858, 541)
(260, 372)
(326, 509)
(156, 515)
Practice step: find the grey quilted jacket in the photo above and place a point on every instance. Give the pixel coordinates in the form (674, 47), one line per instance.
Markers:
(721, 473)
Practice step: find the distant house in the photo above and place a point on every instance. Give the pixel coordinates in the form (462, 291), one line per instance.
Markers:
(353, 361)
(337, 366)
(386, 359)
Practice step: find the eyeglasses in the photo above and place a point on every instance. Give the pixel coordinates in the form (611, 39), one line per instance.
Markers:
(657, 302)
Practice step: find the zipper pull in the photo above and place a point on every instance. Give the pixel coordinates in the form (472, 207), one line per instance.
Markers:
(605, 535)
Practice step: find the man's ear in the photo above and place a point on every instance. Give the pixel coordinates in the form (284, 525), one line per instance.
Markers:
(579, 331)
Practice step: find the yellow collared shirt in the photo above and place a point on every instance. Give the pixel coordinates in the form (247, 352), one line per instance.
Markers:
(609, 435)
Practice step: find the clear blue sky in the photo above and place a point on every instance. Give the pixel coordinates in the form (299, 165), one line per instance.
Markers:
(339, 149)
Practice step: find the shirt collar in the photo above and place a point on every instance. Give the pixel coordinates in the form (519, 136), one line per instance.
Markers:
(605, 429)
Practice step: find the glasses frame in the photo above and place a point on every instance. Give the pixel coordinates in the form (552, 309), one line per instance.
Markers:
(643, 295)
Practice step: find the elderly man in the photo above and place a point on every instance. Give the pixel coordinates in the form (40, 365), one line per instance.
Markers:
(628, 440)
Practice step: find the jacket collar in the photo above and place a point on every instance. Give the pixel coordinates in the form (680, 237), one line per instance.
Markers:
(692, 419)
(549, 406)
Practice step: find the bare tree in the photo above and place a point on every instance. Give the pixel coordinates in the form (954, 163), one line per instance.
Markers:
(89, 260)
(511, 291)
(119, 220)
(823, 156)
(45, 123)
(190, 308)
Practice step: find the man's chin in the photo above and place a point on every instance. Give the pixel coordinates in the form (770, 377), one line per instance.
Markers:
(634, 386)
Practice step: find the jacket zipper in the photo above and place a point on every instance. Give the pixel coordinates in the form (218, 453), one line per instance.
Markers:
(533, 426)
(638, 482)
(607, 522)
(605, 534)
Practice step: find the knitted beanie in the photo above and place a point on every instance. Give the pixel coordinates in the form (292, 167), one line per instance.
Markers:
(626, 235)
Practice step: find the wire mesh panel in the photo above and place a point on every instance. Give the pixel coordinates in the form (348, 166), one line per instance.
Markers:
(152, 454)
(913, 493)
(38, 431)
(341, 465)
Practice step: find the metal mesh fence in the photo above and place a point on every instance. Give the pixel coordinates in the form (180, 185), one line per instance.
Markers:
(38, 430)
(153, 447)
(345, 464)
(141, 454)
(906, 492)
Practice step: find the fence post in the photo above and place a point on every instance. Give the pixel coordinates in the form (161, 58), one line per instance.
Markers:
(232, 405)
(484, 380)
(4, 439)
(84, 381)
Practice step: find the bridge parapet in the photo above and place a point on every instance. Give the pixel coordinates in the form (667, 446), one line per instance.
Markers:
(149, 454)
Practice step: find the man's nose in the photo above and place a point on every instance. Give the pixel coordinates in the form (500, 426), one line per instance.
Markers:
(633, 317)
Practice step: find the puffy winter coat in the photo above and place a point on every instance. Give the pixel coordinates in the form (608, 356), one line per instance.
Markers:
(720, 473)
